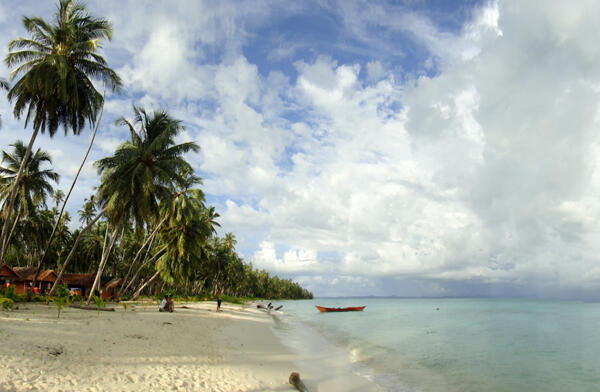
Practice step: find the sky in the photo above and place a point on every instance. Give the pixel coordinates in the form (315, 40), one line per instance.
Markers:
(401, 148)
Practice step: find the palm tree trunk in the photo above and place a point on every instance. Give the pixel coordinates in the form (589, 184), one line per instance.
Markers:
(41, 263)
(98, 278)
(138, 254)
(64, 266)
(12, 230)
(139, 291)
(135, 276)
(13, 195)
(104, 243)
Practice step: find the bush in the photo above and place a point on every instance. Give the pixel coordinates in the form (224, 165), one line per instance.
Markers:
(62, 291)
(37, 298)
(99, 302)
(78, 299)
(10, 293)
(7, 303)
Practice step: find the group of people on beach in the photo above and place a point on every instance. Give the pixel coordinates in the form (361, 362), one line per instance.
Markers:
(166, 304)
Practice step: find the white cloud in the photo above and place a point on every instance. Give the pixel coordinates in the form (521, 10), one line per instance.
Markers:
(293, 260)
(477, 164)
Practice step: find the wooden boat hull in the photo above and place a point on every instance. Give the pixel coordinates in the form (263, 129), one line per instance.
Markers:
(348, 309)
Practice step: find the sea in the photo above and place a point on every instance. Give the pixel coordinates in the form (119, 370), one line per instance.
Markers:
(442, 345)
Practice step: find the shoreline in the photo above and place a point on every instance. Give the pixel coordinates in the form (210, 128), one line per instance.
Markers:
(193, 348)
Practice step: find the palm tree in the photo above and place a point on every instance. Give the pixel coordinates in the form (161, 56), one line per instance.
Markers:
(3, 86)
(34, 187)
(53, 69)
(185, 201)
(146, 169)
(57, 197)
(88, 210)
(143, 171)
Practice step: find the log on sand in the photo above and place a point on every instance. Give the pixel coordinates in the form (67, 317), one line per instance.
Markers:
(297, 382)
(89, 307)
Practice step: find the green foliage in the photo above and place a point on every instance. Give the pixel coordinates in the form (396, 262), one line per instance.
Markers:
(59, 302)
(233, 300)
(78, 299)
(62, 291)
(54, 67)
(99, 302)
(62, 298)
(170, 292)
(10, 293)
(38, 298)
(132, 185)
(7, 303)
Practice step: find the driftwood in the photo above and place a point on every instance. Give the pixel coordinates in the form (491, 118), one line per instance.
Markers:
(86, 307)
(297, 382)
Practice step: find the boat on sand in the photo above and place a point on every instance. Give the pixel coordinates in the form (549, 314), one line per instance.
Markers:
(348, 309)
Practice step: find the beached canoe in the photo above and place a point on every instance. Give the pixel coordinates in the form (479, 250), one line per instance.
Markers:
(349, 309)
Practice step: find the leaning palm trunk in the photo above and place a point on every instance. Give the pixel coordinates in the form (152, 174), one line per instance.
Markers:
(105, 242)
(64, 266)
(12, 230)
(147, 241)
(13, 195)
(98, 278)
(142, 287)
(137, 273)
(41, 263)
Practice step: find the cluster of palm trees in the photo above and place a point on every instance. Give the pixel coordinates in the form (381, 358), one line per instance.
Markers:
(147, 221)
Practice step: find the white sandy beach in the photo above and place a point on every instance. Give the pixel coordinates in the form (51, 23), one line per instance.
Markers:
(140, 349)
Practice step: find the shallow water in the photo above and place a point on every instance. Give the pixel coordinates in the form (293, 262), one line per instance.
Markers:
(450, 344)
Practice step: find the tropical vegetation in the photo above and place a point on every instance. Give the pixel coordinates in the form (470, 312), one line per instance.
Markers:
(147, 222)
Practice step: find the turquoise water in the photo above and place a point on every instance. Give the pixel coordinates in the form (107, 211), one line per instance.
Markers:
(451, 344)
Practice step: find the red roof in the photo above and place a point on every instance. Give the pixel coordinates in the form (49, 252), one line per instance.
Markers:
(7, 272)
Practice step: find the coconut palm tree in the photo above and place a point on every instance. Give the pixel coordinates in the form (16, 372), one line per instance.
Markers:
(146, 169)
(33, 189)
(3, 86)
(57, 197)
(143, 171)
(88, 210)
(186, 200)
(52, 70)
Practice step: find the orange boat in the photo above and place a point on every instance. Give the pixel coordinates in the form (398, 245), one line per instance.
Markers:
(349, 309)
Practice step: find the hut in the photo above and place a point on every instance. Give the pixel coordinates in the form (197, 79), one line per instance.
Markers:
(44, 282)
(7, 275)
(78, 284)
(110, 289)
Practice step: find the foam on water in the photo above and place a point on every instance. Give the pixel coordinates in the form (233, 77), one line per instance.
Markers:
(451, 344)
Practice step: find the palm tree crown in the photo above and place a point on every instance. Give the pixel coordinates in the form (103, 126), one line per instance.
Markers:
(34, 187)
(144, 170)
(54, 67)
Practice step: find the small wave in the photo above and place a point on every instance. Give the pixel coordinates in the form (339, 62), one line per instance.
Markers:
(357, 355)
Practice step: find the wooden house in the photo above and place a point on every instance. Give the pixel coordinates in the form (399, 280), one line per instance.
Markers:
(45, 280)
(78, 284)
(7, 275)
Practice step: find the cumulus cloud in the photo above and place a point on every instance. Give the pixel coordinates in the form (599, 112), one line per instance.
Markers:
(413, 153)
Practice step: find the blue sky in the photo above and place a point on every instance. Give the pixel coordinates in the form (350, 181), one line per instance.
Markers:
(416, 148)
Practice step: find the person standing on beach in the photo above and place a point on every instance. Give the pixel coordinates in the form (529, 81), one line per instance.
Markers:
(218, 300)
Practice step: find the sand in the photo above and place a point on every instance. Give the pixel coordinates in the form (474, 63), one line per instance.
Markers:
(194, 348)
(140, 349)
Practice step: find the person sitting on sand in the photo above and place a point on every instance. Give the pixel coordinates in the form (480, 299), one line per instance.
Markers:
(164, 305)
(170, 305)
